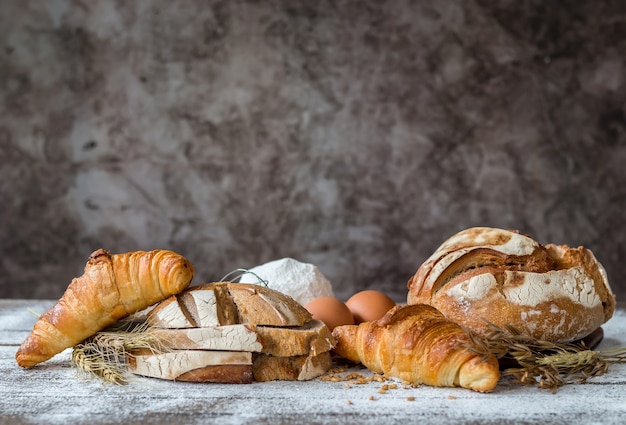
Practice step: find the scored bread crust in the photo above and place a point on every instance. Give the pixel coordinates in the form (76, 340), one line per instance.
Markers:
(482, 275)
(263, 306)
(226, 303)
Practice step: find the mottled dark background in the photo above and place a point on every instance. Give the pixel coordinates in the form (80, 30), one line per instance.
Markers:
(355, 135)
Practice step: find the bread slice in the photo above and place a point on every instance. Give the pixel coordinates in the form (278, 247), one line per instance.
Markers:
(228, 338)
(225, 303)
(312, 338)
(196, 366)
(170, 313)
(263, 306)
(290, 368)
(207, 305)
(202, 306)
(206, 326)
(223, 374)
(228, 366)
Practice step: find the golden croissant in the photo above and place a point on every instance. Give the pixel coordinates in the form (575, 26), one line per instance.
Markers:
(112, 287)
(417, 344)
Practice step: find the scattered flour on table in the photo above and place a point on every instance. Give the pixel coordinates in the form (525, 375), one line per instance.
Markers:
(301, 281)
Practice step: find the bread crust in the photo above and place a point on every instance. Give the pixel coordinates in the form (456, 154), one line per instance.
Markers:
(226, 303)
(228, 367)
(312, 338)
(194, 365)
(223, 374)
(417, 344)
(279, 336)
(481, 275)
(290, 368)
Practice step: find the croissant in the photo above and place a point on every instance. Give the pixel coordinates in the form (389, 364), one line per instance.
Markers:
(417, 344)
(112, 287)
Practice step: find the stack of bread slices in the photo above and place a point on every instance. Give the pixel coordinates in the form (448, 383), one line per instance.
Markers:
(234, 333)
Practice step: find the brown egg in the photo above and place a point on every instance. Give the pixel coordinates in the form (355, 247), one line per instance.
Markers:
(331, 311)
(370, 305)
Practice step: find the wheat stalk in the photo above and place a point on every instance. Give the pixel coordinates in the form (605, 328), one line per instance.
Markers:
(105, 354)
(543, 363)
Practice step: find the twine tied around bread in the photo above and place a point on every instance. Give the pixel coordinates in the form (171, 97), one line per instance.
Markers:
(236, 274)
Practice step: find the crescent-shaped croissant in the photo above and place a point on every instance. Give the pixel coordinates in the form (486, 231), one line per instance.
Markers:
(112, 287)
(417, 344)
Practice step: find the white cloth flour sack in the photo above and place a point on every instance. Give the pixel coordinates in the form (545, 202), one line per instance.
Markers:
(301, 281)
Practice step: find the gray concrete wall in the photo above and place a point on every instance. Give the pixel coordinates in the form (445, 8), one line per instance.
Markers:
(356, 135)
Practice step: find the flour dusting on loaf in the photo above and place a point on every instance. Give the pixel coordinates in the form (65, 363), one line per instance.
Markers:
(508, 243)
(475, 288)
(537, 288)
(485, 274)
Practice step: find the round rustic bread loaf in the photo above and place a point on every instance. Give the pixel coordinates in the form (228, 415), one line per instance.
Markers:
(484, 274)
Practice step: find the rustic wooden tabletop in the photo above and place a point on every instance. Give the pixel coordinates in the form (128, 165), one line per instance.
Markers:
(54, 393)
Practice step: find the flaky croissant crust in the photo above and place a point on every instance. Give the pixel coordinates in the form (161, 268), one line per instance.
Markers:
(111, 287)
(419, 345)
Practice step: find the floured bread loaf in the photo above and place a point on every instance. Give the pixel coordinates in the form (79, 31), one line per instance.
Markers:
(234, 333)
(556, 292)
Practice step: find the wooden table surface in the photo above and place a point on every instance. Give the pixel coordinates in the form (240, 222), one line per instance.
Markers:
(54, 393)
